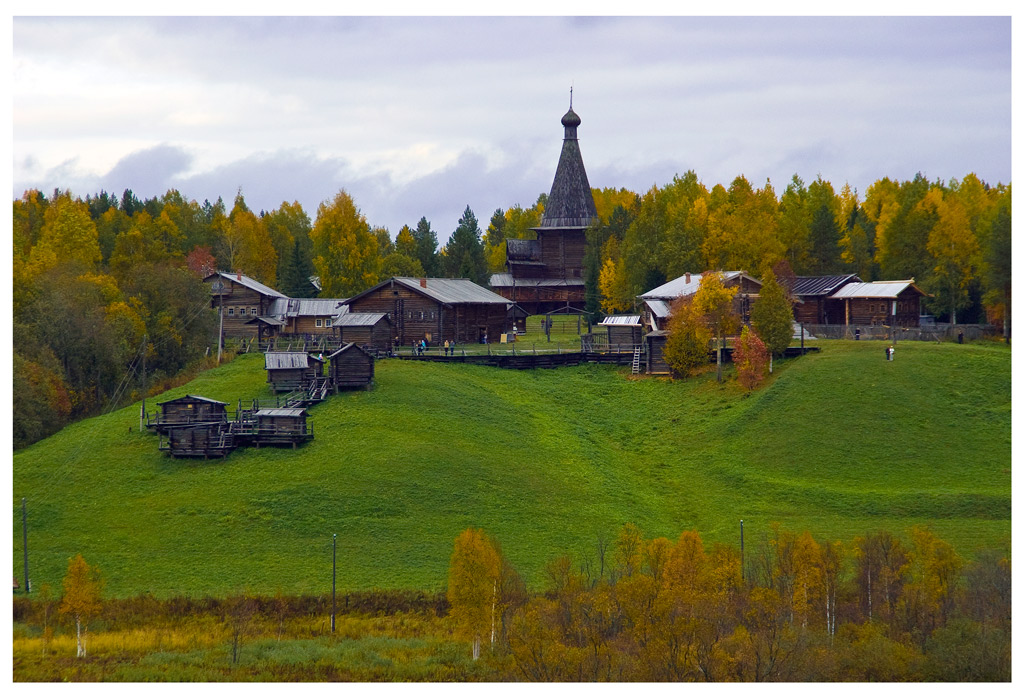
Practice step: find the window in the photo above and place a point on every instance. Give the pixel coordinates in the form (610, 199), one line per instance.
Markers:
(319, 322)
(231, 312)
(327, 322)
(252, 311)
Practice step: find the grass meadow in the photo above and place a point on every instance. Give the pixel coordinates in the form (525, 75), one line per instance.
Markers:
(839, 443)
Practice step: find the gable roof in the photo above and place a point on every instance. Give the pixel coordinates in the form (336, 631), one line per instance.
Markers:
(621, 320)
(288, 359)
(282, 412)
(348, 347)
(306, 307)
(192, 398)
(360, 319)
(877, 289)
(446, 291)
(821, 285)
(677, 287)
(248, 283)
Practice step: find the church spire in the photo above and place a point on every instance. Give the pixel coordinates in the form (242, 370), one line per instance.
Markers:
(570, 203)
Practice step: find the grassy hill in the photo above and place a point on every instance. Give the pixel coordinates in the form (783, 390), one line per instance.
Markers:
(548, 461)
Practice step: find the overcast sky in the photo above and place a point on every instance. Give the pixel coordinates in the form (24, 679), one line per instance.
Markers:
(424, 116)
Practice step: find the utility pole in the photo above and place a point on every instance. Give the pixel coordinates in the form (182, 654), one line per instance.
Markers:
(334, 580)
(142, 413)
(743, 575)
(24, 537)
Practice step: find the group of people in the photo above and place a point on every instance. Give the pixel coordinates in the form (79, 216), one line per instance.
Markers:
(889, 352)
(420, 348)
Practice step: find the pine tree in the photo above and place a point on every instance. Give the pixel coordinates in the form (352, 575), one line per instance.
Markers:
(464, 252)
(297, 272)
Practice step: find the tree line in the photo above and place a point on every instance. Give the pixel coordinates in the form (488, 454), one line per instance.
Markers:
(94, 278)
(788, 608)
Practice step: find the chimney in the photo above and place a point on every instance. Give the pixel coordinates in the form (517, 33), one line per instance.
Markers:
(239, 275)
(687, 277)
(423, 283)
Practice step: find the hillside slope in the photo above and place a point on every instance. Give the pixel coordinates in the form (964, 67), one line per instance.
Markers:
(548, 461)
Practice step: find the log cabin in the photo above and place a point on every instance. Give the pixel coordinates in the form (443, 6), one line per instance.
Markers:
(242, 299)
(292, 370)
(199, 440)
(281, 426)
(350, 367)
(435, 309)
(890, 303)
(815, 304)
(546, 273)
(299, 317)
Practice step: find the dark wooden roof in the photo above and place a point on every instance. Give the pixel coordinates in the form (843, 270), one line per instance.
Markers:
(192, 398)
(523, 251)
(570, 203)
(349, 347)
(821, 285)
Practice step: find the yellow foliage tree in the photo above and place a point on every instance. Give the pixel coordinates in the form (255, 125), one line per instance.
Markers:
(473, 577)
(346, 254)
(82, 587)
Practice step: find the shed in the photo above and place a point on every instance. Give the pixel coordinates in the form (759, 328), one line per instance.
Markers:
(188, 410)
(292, 370)
(365, 329)
(207, 440)
(656, 364)
(282, 425)
(351, 367)
(623, 330)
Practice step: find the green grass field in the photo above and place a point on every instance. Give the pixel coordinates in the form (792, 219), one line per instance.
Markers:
(548, 461)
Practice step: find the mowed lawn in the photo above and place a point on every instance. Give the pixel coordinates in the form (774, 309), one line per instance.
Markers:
(839, 443)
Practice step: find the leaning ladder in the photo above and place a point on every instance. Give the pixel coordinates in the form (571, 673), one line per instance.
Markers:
(636, 359)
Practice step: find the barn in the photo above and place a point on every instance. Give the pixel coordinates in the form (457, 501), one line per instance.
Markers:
(187, 411)
(435, 309)
(292, 370)
(350, 367)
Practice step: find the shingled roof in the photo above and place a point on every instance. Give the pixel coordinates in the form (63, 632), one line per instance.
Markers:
(570, 203)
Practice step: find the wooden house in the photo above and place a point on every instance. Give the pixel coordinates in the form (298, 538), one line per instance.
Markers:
(658, 301)
(365, 329)
(282, 425)
(624, 331)
(292, 370)
(890, 303)
(546, 274)
(350, 367)
(435, 309)
(299, 317)
(815, 303)
(242, 300)
(187, 411)
(208, 440)
(656, 364)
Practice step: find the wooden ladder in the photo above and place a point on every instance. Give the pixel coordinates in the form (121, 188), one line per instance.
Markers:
(636, 359)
